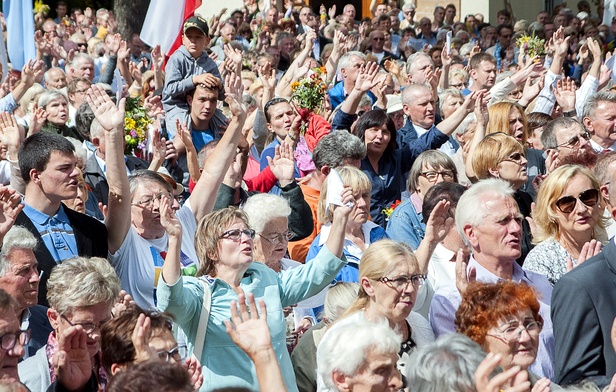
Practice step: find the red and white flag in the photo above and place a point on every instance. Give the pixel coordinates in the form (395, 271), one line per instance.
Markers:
(163, 23)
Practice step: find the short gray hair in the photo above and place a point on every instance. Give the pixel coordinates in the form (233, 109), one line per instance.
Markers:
(449, 364)
(141, 176)
(337, 146)
(47, 74)
(465, 124)
(409, 6)
(443, 95)
(593, 102)
(413, 57)
(345, 346)
(471, 208)
(548, 137)
(263, 207)
(18, 237)
(80, 150)
(80, 282)
(345, 60)
(408, 92)
(96, 129)
(50, 95)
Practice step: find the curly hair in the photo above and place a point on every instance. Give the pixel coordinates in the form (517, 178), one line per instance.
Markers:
(484, 305)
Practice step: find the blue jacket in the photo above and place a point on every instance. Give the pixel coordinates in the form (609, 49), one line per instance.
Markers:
(337, 95)
(406, 225)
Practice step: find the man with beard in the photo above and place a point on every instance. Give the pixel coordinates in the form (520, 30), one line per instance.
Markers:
(569, 141)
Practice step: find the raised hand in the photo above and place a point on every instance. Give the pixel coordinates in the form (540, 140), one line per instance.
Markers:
(159, 146)
(481, 109)
(367, 77)
(10, 135)
(141, 339)
(157, 58)
(193, 367)
(501, 381)
(153, 106)
(184, 133)
(565, 94)
(72, 364)
(392, 67)
(332, 12)
(38, 119)
(123, 51)
(348, 202)
(590, 249)
(560, 42)
(464, 276)
(124, 302)
(233, 94)
(268, 77)
(114, 44)
(233, 54)
(531, 91)
(10, 205)
(168, 220)
(283, 165)
(249, 330)
(31, 72)
(106, 112)
(207, 79)
(439, 223)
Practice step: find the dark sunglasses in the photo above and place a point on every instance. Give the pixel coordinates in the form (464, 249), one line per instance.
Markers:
(515, 157)
(589, 197)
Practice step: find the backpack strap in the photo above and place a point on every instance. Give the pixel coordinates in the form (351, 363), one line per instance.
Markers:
(203, 319)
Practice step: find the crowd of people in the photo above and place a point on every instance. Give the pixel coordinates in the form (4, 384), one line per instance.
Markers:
(303, 201)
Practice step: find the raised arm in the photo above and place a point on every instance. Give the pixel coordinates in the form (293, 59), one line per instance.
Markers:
(448, 125)
(335, 241)
(111, 118)
(204, 195)
(171, 266)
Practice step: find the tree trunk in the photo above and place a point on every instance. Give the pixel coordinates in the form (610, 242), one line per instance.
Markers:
(130, 15)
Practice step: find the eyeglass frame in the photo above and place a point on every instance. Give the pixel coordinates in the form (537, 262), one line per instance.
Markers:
(518, 330)
(570, 144)
(280, 237)
(91, 327)
(170, 353)
(392, 282)
(511, 157)
(237, 237)
(561, 200)
(428, 173)
(16, 338)
(149, 203)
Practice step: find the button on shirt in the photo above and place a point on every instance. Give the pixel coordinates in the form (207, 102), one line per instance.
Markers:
(447, 299)
(56, 232)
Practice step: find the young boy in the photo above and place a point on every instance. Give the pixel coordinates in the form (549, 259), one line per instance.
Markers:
(187, 67)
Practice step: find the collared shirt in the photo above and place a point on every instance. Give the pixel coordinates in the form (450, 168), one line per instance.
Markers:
(56, 232)
(447, 300)
(442, 267)
(25, 325)
(599, 149)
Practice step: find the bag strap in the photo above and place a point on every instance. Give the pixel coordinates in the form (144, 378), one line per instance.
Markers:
(203, 319)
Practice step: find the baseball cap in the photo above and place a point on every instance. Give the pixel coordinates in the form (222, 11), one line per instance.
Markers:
(198, 23)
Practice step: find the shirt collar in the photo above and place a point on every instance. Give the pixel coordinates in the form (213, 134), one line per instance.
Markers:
(595, 146)
(366, 228)
(41, 218)
(483, 275)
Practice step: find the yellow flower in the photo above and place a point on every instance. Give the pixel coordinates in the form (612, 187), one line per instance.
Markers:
(294, 85)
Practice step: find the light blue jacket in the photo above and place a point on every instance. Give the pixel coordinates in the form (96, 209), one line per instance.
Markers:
(406, 225)
(224, 363)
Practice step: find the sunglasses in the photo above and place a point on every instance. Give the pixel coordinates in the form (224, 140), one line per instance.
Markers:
(589, 198)
(574, 141)
(515, 157)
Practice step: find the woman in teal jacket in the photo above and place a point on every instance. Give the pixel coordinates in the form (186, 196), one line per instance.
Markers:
(224, 244)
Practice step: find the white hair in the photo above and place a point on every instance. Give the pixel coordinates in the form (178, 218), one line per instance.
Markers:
(465, 124)
(18, 237)
(80, 150)
(345, 60)
(346, 347)
(471, 206)
(263, 207)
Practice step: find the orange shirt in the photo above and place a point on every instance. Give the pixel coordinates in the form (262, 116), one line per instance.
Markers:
(299, 249)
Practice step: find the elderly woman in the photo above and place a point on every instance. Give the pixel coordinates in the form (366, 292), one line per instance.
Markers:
(359, 232)
(224, 244)
(80, 291)
(509, 117)
(568, 220)
(502, 156)
(52, 115)
(504, 319)
(406, 222)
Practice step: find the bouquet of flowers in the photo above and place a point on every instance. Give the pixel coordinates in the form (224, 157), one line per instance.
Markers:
(41, 8)
(390, 210)
(136, 123)
(308, 94)
(532, 46)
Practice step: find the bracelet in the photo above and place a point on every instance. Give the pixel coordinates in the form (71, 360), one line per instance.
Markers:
(570, 113)
(294, 138)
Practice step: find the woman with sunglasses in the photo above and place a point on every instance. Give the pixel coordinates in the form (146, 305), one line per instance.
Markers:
(389, 278)
(504, 319)
(569, 223)
(224, 243)
(501, 156)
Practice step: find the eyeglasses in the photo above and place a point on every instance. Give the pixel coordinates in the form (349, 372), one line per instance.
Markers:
(149, 203)
(88, 328)
(433, 175)
(402, 282)
(589, 198)
(575, 141)
(515, 157)
(513, 332)
(236, 234)
(178, 353)
(458, 85)
(278, 238)
(9, 340)
(378, 39)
